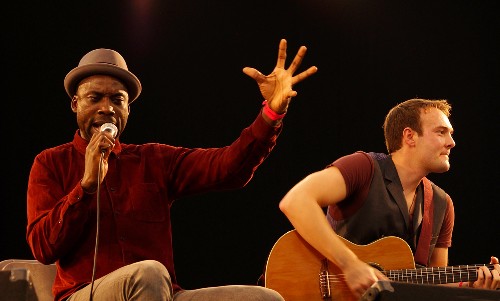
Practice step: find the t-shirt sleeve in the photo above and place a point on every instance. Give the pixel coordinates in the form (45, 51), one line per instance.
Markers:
(357, 170)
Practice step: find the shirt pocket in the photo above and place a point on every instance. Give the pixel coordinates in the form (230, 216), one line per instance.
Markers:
(146, 203)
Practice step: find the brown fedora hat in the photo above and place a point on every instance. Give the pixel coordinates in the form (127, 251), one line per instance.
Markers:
(106, 62)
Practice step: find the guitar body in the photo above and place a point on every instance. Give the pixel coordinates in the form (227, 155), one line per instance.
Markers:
(294, 267)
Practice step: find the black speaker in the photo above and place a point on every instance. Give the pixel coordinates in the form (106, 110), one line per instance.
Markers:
(16, 285)
(396, 291)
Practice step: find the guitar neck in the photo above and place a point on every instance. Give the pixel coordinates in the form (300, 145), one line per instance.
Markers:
(436, 275)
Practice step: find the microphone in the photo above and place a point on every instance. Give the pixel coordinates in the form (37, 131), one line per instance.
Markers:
(111, 128)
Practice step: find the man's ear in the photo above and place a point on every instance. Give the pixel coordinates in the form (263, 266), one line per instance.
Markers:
(408, 136)
(74, 103)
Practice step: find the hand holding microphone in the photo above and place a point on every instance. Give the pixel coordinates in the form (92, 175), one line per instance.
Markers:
(110, 128)
(96, 164)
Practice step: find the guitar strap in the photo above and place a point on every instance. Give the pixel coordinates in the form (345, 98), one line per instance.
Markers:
(424, 241)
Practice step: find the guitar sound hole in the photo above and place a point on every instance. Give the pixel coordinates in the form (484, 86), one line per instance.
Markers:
(376, 265)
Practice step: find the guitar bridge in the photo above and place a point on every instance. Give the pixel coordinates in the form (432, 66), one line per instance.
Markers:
(324, 282)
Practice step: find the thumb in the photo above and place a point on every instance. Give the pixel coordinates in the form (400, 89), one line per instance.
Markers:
(253, 73)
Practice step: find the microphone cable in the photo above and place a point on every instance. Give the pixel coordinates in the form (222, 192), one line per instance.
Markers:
(97, 225)
(108, 127)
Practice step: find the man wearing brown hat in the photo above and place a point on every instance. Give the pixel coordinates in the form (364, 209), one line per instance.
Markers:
(100, 209)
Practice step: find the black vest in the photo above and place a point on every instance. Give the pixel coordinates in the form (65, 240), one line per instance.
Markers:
(385, 213)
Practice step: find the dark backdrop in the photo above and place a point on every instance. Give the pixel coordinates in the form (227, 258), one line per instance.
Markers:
(371, 55)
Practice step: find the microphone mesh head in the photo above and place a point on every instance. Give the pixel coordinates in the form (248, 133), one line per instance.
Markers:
(111, 128)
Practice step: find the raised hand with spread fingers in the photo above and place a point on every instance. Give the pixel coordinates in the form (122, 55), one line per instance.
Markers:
(277, 87)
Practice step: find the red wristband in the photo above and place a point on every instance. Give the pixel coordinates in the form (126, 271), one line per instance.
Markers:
(460, 284)
(270, 113)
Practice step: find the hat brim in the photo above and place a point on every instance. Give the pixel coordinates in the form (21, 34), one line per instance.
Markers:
(75, 76)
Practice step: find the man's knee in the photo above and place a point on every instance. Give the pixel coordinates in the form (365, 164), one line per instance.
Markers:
(269, 294)
(151, 270)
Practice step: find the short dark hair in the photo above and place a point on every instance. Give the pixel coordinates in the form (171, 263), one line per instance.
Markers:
(407, 114)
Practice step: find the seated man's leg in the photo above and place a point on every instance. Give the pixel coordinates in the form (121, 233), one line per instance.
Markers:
(229, 292)
(144, 280)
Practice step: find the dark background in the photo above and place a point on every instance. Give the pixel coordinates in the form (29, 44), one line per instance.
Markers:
(189, 55)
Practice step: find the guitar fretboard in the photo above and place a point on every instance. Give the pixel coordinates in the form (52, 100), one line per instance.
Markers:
(436, 275)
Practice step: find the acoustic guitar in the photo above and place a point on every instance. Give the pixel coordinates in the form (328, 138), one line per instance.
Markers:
(300, 273)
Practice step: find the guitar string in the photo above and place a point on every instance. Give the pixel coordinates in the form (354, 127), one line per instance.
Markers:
(438, 273)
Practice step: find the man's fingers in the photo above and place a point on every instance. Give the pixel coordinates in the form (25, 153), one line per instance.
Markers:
(484, 277)
(281, 55)
(291, 94)
(488, 278)
(380, 275)
(254, 73)
(495, 283)
(297, 60)
(303, 75)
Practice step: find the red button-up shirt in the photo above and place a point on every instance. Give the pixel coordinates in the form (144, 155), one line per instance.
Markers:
(135, 200)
